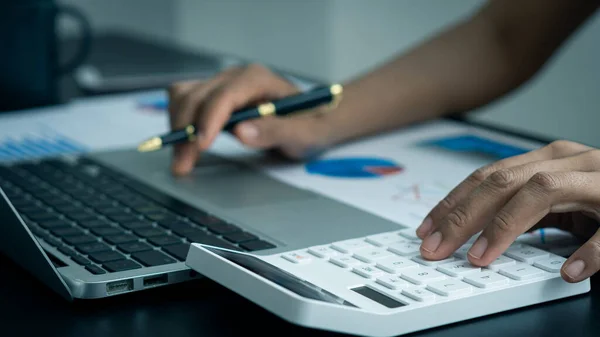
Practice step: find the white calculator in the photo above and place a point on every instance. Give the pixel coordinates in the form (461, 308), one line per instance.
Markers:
(381, 286)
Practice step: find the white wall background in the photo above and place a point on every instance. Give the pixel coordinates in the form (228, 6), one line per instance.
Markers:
(334, 40)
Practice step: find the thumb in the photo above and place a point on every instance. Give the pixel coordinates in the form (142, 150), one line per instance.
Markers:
(295, 136)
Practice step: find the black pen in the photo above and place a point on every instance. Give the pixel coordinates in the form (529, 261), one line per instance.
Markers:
(302, 101)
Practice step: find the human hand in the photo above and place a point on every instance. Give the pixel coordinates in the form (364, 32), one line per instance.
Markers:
(209, 104)
(557, 185)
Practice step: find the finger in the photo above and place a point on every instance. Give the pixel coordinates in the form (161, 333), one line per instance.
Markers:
(253, 84)
(477, 209)
(176, 92)
(185, 109)
(293, 135)
(584, 262)
(554, 150)
(545, 192)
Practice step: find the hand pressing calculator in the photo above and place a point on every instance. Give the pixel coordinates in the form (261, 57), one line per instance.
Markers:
(379, 285)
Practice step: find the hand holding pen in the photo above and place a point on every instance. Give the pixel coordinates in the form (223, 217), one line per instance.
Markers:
(202, 109)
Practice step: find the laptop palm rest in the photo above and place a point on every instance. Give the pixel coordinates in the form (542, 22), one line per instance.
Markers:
(288, 215)
(20, 245)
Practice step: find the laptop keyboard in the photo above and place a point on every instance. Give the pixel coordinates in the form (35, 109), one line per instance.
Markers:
(107, 222)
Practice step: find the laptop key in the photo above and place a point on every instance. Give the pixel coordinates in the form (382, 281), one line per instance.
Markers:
(53, 242)
(137, 224)
(43, 217)
(82, 216)
(80, 239)
(164, 240)
(95, 270)
(108, 256)
(67, 231)
(134, 247)
(152, 258)
(121, 265)
(256, 245)
(90, 248)
(123, 218)
(150, 232)
(212, 240)
(81, 260)
(239, 237)
(119, 239)
(52, 224)
(94, 223)
(106, 231)
(184, 229)
(67, 251)
(223, 228)
(178, 251)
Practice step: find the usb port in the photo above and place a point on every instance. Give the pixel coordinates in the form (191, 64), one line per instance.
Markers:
(154, 281)
(119, 286)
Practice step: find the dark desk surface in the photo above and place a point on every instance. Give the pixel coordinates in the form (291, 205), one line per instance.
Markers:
(203, 308)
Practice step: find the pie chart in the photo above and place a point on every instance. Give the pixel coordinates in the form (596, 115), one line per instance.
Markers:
(354, 167)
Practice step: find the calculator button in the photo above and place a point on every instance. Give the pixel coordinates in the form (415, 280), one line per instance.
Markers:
(462, 252)
(392, 281)
(385, 239)
(348, 246)
(486, 279)
(521, 271)
(323, 251)
(422, 275)
(420, 260)
(409, 233)
(458, 268)
(404, 248)
(417, 294)
(501, 262)
(526, 254)
(450, 288)
(395, 264)
(297, 257)
(372, 254)
(344, 261)
(551, 264)
(367, 271)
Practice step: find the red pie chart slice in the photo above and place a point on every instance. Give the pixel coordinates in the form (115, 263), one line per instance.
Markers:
(383, 170)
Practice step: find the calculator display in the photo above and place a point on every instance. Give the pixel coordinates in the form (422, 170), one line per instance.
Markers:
(279, 276)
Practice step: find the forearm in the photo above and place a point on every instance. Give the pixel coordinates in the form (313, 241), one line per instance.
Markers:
(460, 69)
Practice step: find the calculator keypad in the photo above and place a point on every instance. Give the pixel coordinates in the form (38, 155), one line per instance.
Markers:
(392, 262)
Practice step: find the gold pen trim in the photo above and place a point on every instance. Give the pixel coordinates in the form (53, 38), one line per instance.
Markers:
(151, 144)
(336, 91)
(190, 129)
(266, 109)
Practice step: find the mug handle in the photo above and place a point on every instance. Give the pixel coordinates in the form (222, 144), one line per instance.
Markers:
(86, 40)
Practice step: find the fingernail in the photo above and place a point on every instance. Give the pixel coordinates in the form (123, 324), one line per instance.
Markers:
(479, 247)
(425, 227)
(248, 131)
(574, 269)
(432, 242)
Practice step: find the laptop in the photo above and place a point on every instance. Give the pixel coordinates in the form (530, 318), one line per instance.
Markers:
(355, 274)
(108, 223)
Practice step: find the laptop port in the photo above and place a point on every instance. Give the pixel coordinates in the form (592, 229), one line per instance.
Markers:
(119, 286)
(154, 281)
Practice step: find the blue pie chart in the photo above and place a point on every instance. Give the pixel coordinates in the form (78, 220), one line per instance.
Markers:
(354, 167)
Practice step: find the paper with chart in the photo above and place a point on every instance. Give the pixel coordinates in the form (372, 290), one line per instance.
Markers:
(401, 176)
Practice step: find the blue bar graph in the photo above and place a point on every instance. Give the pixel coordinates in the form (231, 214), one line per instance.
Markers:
(37, 146)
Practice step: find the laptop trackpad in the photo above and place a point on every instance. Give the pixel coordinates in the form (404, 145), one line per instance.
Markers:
(235, 186)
